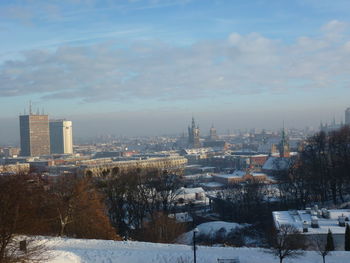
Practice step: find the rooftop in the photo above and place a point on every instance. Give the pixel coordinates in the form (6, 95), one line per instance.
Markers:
(238, 174)
(297, 218)
(184, 191)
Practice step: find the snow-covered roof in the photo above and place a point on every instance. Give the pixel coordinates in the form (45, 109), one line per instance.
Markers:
(212, 184)
(276, 163)
(196, 176)
(182, 217)
(297, 217)
(238, 174)
(258, 174)
(207, 168)
(192, 166)
(235, 174)
(226, 176)
(260, 155)
(184, 191)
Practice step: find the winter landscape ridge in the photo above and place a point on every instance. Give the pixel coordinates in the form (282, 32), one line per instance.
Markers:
(67, 250)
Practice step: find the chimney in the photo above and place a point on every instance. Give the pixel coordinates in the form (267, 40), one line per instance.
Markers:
(341, 220)
(305, 227)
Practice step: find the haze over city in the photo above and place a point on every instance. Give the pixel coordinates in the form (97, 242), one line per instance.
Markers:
(176, 131)
(116, 66)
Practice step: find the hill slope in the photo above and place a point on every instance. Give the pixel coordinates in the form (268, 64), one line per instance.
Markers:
(103, 251)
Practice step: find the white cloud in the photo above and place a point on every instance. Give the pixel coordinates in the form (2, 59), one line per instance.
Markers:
(240, 64)
(335, 26)
(335, 30)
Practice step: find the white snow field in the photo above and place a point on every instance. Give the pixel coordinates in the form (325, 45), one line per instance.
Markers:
(105, 251)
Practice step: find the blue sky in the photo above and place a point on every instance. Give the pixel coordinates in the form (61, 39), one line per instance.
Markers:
(239, 64)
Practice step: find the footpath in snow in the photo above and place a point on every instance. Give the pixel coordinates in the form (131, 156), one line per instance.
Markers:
(102, 251)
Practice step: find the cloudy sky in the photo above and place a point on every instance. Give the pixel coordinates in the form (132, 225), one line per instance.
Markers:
(131, 67)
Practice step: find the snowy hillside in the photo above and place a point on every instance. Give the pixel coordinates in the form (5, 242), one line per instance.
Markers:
(100, 251)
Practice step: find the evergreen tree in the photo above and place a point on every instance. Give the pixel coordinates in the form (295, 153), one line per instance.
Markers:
(347, 238)
(330, 242)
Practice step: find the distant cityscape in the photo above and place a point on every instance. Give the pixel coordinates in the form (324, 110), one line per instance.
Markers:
(46, 145)
(209, 167)
(174, 131)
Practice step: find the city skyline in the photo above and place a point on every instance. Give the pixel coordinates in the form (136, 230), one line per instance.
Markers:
(154, 64)
(171, 127)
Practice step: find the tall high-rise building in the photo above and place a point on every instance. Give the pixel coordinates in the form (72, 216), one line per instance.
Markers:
(35, 136)
(61, 137)
(347, 116)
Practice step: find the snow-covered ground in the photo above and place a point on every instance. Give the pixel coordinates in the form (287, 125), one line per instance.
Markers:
(102, 251)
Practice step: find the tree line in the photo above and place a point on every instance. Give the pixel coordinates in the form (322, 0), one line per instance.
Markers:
(321, 172)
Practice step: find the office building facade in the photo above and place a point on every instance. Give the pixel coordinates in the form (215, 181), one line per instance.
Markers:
(35, 136)
(61, 137)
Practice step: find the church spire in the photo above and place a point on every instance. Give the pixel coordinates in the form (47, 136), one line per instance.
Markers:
(284, 145)
(193, 123)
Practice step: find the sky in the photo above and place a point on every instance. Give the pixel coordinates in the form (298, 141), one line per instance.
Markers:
(145, 67)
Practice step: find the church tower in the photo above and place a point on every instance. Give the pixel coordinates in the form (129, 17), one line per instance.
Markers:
(194, 135)
(284, 145)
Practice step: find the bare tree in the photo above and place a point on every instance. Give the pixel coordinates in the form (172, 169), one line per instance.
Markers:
(80, 209)
(137, 194)
(288, 243)
(64, 198)
(320, 246)
(165, 185)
